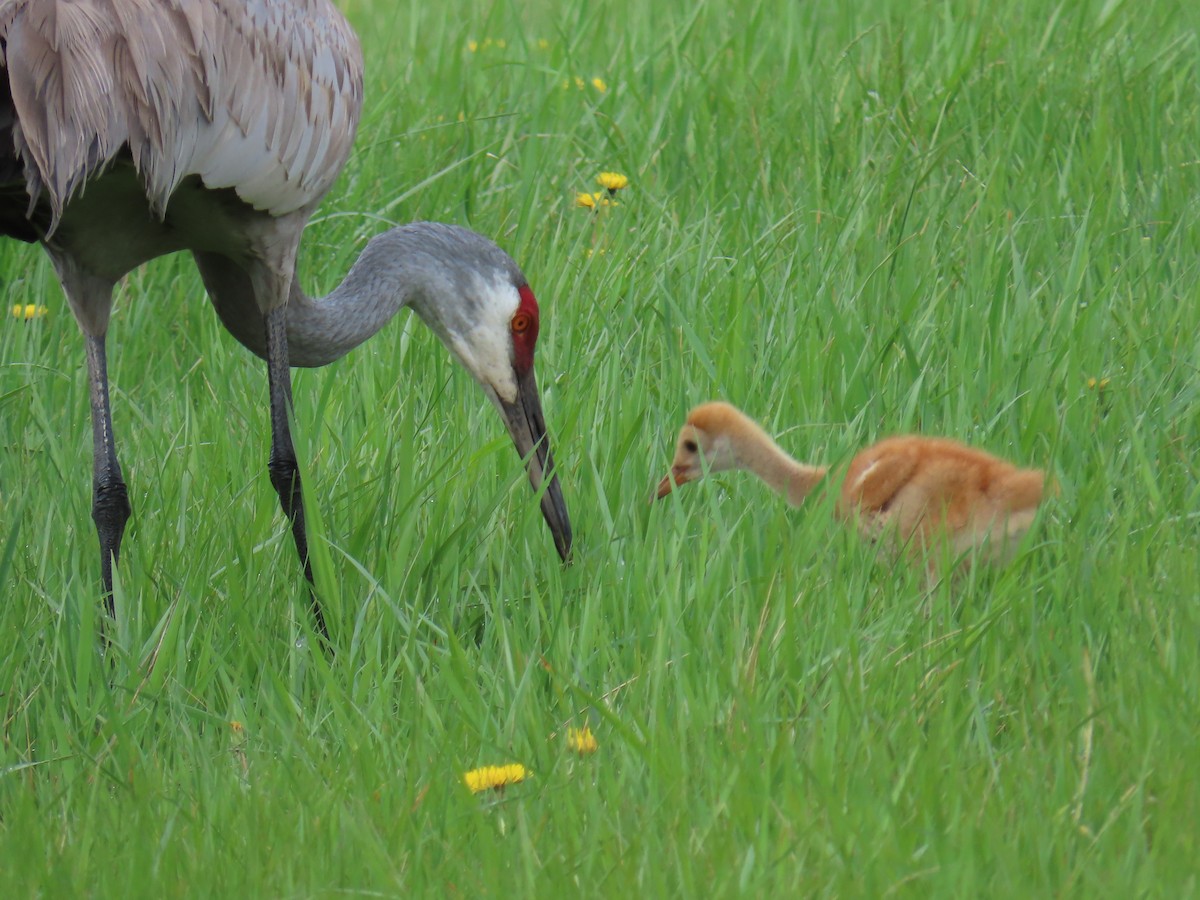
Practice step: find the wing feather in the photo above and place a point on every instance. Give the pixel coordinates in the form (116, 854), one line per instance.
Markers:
(262, 96)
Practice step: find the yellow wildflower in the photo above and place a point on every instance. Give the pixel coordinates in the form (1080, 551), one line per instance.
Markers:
(582, 741)
(579, 82)
(236, 727)
(612, 181)
(586, 200)
(1094, 385)
(599, 84)
(472, 46)
(495, 778)
(29, 311)
(543, 44)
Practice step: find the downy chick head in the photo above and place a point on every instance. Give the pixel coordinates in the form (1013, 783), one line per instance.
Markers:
(705, 444)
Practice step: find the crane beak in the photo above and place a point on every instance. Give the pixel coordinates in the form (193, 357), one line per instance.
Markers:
(527, 425)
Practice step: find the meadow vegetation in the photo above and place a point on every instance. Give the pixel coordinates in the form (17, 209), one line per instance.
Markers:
(851, 219)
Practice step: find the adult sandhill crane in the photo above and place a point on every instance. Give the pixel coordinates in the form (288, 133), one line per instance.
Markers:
(134, 128)
(912, 490)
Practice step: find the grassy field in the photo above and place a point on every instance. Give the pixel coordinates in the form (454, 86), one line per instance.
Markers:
(852, 219)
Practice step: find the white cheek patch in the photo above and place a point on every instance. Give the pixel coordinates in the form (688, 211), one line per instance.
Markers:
(485, 348)
(504, 382)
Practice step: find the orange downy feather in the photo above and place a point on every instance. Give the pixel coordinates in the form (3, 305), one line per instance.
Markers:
(913, 490)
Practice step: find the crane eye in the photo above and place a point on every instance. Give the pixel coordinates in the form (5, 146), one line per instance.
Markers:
(521, 322)
(690, 446)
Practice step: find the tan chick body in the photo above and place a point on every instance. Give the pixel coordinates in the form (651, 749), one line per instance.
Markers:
(912, 490)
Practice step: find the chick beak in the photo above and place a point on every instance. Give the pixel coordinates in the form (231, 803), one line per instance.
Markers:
(678, 476)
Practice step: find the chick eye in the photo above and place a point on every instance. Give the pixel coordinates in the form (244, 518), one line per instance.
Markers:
(690, 446)
(521, 322)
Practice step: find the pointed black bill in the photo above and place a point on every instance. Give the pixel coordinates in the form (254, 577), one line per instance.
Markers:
(527, 425)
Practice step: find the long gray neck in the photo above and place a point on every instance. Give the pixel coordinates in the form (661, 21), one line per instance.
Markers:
(378, 286)
(434, 268)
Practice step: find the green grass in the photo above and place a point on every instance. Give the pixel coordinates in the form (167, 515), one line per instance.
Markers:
(851, 219)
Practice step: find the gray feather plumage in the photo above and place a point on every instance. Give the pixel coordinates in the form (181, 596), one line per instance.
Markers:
(260, 96)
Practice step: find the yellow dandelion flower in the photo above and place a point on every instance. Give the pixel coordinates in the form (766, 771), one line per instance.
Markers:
(582, 741)
(612, 181)
(600, 85)
(29, 311)
(543, 44)
(579, 82)
(586, 200)
(495, 778)
(1097, 385)
(472, 46)
(236, 727)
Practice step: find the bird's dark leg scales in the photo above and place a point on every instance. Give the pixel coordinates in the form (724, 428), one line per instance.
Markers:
(282, 466)
(110, 497)
(110, 512)
(285, 477)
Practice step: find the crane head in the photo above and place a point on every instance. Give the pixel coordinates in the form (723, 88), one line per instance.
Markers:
(512, 388)
(475, 298)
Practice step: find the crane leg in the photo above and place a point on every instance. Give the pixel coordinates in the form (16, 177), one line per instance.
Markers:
(285, 473)
(110, 499)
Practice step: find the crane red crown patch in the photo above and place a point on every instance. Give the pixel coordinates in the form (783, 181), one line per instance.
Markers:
(524, 324)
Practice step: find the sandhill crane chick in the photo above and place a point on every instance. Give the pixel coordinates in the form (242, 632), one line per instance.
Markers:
(913, 490)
